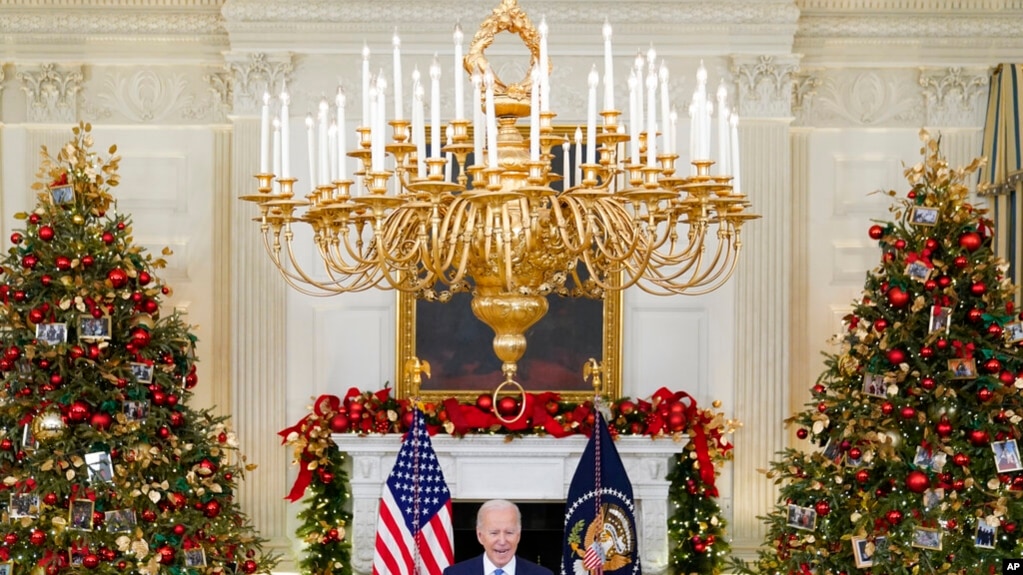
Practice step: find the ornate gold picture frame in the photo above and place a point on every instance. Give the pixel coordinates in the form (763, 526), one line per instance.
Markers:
(458, 347)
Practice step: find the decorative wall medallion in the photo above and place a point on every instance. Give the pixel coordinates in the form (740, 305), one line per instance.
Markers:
(51, 92)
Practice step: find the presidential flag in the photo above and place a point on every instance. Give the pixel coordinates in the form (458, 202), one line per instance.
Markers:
(600, 513)
(414, 535)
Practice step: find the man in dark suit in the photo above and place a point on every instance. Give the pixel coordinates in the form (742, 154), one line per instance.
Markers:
(498, 528)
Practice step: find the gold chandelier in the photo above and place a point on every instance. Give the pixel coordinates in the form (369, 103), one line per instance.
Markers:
(499, 228)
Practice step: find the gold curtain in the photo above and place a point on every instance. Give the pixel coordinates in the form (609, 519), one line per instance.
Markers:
(1002, 177)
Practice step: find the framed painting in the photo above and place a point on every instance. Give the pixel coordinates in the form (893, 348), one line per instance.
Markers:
(459, 348)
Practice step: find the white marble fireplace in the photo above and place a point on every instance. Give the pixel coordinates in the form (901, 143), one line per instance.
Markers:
(522, 469)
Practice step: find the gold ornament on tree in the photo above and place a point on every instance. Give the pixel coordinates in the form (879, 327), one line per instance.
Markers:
(48, 425)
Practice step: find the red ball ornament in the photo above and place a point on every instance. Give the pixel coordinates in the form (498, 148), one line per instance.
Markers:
(90, 561)
(944, 281)
(887, 408)
(994, 330)
(893, 517)
(896, 356)
(676, 422)
(177, 419)
(46, 233)
(944, 427)
(974, 315)
(29, 261)
(63, 263)
(917, 481)
(88, 260)
(978, 288)
(485, 402)
(862, 476)
(507, 406)
(897, 297)
(928, 383)
(144, 278)
(325, 476)
(927, 352)
(822, 407)
(961, 459)
(6, 444)
(117, 277)
(1007, 377)
(36, 315)
(960, 262)
(140, 337)
(166, 553)
(101, 420)
(801, 433)
(881, 324)
(907, 412)
(37, 537)
(970, 241)
(16, 238)
(992, 365)
(984, 395)
(339, 423)
(876, 232)
(108, 238)
(11, 539)
(978, 437)
(78, 411)
(900, 244)
(212, 508)
(50, 499)
(249, 566)
(159, 397)
(163, 433)
(855, 453)
(931, 244)
(822, 508)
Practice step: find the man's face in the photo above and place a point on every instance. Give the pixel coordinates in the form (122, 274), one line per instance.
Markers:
(499, 533)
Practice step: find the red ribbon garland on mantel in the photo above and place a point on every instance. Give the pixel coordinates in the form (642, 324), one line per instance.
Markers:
(464, 418)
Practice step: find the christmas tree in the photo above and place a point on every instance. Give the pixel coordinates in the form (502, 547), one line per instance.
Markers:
(914, 465)
(105, 467)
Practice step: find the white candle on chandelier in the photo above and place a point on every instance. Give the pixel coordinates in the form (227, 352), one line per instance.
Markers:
(609, 74)
(724, 130)
(459, 75)
(264, 135)
(651, 128)
(700, 125)
(311, 145)
(545, 80)
(578, 156)
(332, 147)
(634, 120)
(491, 118)
(477, 119)
(418, 127)
(449, 134)
(366, 101)
(285, 135)
(734, 121)
(638, 70)
(376, 147)
(566, 159)
(277, 147)
(665, 109)
(322, 149)
(534, 116)
(693, 129)
(435, 129)
(342, 138)
(399, 105)
(673, 132)
(591, 117)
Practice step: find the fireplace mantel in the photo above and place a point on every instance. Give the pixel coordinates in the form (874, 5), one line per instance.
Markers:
(524, 469)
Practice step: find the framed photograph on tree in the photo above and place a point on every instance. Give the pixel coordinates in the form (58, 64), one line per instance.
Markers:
(459, 348)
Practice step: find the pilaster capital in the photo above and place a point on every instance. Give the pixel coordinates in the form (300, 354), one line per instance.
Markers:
(51, 92)
(249, 76)
(954, 96)
(764, 85)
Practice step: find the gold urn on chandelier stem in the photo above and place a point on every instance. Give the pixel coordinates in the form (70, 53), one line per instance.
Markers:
(500, 228)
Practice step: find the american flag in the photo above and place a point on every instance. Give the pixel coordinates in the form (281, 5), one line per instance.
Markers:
(414, 534)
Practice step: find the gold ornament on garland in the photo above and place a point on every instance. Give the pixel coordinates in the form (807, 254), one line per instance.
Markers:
(48, 425)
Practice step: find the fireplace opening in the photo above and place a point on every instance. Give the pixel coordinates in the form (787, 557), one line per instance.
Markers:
(542, 531)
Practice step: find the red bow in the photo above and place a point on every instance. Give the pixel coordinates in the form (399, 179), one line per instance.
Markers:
(324, 406)
(963, 351)
(698, 432)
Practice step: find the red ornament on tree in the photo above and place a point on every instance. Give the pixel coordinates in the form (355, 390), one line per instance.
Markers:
(45, 233)
(917, 481)
(37, 537)
(907, 412)
(887, 408)
(978, 437)
(212, 508)
(78, 411)
(862, 476)
(893, 517)
(944, 427)
(978, 289)
(961, 459)
(876, 232)
(881, 324)
(993, 365)
(896, 356)
(90, 561)
(970, 241)
(101, 420)
(249, 566)
(822, 508)
(801, 433)
(927, 352)
(984, 395)
(117, 277)
(961, 262)
(177, 419)
(974, 315)
(63, 263)
(166, 553)
(897, 297)
(928, 383)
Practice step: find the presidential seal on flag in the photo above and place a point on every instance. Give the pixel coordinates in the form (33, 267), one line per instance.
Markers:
(600, 513)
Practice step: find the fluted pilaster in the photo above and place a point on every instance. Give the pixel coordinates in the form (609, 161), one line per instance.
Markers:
(763, 288)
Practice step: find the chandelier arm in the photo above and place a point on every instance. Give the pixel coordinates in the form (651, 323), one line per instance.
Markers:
(296, 279)
(720, 281)
(576, 209)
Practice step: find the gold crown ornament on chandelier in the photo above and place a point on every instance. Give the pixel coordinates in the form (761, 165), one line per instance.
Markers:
(498, 227)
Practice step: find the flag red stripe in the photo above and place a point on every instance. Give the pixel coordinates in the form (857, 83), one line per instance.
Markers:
(393, 554)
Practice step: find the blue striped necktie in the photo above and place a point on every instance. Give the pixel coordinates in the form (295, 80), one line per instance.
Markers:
(498, 571)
